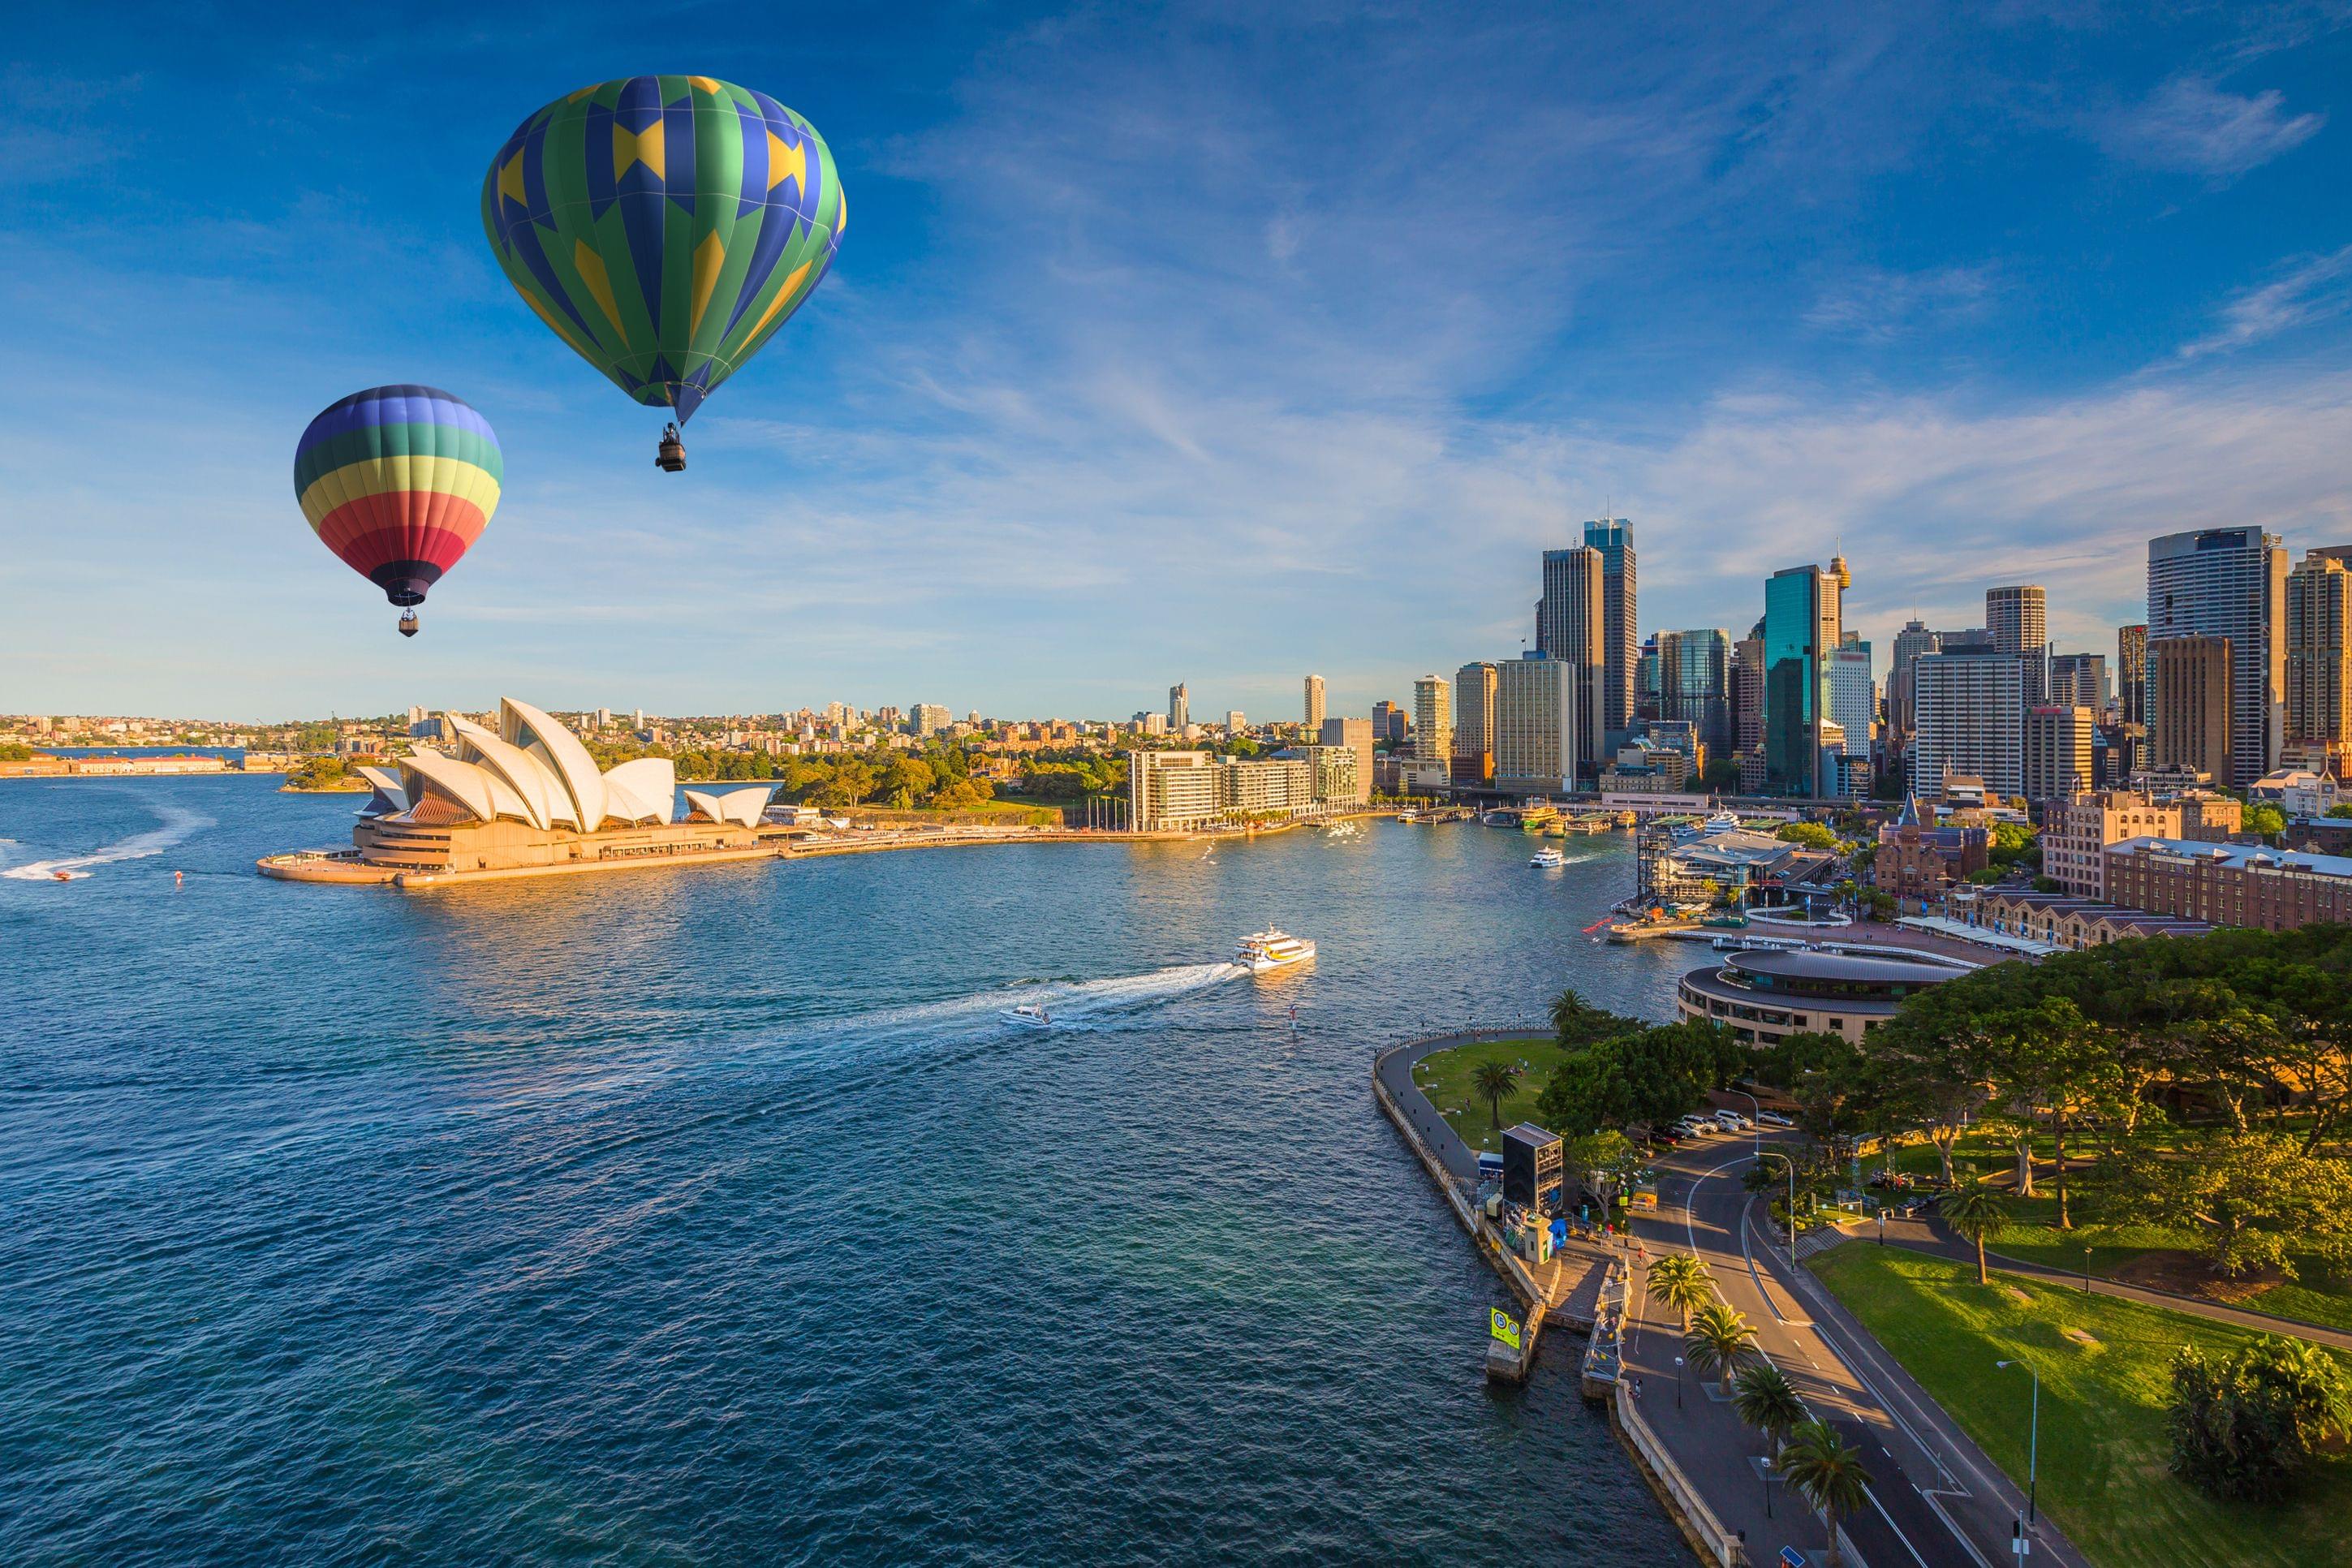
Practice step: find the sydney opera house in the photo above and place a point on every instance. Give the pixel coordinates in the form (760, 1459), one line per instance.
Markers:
(524, 798)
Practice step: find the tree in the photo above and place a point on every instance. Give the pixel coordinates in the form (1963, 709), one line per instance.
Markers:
(1806, 835)
(1763, 1396)
(2050, 1056)
(2246, 1195)
(1606, 1162)
(1646, 1076)
(2264, 820)
(2246, 1427)
(1579, 1022)
(1680, 1283)
(1827, 1472)
(1494, 1080)
(1721, 775)
(1718, 1342)
(1976, 1212)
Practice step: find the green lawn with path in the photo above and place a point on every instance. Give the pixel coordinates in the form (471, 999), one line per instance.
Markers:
(2164, 1257)
(1444, 1078)
(2103, 1365)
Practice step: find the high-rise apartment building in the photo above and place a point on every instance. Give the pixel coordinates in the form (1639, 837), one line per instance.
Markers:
(1619, 639)
(1314, 723)
(1649, 682)
(2079, 680)
(1170, 789)
(1433, 719)
(2227, 583)
(1179, 708)
(1356, 735)
(1537, 716)
(2192, 694)
(2019, 620)
(1694, 685)
(2057, 751)
(1235, 722)
(1971, 709)
(1474, 723)
(1912, 642)
(2319, 648)
(2131, 673)
(1571, 623)
(930, 719)
(1801, 626)
(1853, 693)
(1747, 707)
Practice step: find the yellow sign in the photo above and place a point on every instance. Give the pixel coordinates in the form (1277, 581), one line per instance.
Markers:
(1503, 1327)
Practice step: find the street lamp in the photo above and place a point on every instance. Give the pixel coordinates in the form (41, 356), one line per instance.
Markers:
(2033, 1442)
(1678, 1382)
(2086, 1270)
(1776, 1154)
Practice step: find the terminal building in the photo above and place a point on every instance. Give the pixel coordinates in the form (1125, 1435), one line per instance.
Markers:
(1762, 994)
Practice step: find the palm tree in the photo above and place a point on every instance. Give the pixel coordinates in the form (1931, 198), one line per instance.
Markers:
(1976, 1212)
(1494, 1080)
(1765, 1398)
(1680, 1283)
(1826, 1472)
(1718, 1342)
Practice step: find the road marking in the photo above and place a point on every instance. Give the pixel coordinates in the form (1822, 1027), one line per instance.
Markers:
(1871, 1493)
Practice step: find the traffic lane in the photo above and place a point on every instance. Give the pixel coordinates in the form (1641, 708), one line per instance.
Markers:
(1716, 1204)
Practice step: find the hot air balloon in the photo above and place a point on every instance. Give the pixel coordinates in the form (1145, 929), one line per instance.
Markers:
(665, 227)
(399, 481)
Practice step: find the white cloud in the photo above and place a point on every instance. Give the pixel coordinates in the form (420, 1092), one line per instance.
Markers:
(2191, 126)
(2311, 291)
(1879, 306)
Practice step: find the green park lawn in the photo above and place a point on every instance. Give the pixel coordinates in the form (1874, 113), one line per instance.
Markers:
(2103, 1363)
(2160, 1256)
(1444, 1078)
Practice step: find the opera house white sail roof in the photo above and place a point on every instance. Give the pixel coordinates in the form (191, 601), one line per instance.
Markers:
(534, 771)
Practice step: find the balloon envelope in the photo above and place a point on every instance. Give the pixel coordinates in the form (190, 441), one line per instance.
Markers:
(665, 227)
(399, 481)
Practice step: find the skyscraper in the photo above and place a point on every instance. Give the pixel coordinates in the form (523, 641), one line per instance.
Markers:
(1619, 639)
(2057, 751)
(2227, 583)
(1179, 708)
(1747, 691)
(2319, 649)
(1853, 693)
(2131, 673)
(1388, 722)
(1474, 723)
(1694, 685)
(1971, 709)
(1911, 643)
(1801, 626)
(1315, 705)
(1433, 719)
(2079, 680)
(2191, 696)
(1536, 717)
(1570, 623)
(2019, 620)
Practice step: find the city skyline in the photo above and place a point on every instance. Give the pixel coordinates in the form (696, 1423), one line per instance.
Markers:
(1018, 356)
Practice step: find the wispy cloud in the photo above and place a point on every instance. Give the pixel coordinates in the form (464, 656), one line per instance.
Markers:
(2190, 126)
(1879, 306)
(2309, 291)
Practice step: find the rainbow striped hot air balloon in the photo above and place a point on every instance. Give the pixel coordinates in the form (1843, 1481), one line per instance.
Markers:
(399, 481)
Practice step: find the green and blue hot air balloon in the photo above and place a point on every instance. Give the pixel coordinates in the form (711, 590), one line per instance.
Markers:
(665, 227)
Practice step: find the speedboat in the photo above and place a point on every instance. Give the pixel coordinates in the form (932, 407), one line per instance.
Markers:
(1265, 950)
(1029, 1016)
(1547, 857)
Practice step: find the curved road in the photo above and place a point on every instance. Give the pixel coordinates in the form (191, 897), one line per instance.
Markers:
(1935, 1499)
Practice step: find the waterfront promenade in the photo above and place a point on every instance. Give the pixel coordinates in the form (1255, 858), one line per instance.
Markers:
(1935, 1499)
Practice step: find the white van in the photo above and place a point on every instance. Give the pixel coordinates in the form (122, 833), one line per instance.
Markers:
(1731, 1122)
(1697, 1126)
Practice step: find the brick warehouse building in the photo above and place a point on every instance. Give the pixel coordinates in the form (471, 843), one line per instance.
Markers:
(2230, 884)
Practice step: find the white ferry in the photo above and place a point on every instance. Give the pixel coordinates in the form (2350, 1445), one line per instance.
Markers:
(1547, 857)
(1028, 1015)
(1265, 950)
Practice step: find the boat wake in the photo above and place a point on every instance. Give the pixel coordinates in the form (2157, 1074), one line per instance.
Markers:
(1074, 1006)
(176, 824)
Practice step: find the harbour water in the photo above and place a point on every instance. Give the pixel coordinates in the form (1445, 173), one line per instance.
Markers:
(716, 1215)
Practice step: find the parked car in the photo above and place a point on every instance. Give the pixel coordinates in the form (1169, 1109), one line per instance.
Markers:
(1732, 1121)
(1665, 1136)
(1773, 1118)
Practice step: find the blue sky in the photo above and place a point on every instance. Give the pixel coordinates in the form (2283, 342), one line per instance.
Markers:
(1172, 343)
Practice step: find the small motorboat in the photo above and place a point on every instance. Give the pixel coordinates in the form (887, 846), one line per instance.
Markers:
(1028, 1015)
(1547, 857)
(61, 876)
